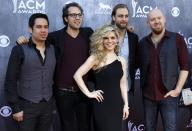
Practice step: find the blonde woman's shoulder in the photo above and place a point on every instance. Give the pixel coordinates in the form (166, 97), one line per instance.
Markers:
(122, 60)
(94, 60)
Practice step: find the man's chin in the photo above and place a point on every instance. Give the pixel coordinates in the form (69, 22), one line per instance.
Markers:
(122, 26)
(76, 27)
(157, 32)
(43, 39)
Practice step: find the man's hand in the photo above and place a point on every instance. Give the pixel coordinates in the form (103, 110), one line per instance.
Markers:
(22, 40)
(173, 93)
(18, 116)
(130, 28)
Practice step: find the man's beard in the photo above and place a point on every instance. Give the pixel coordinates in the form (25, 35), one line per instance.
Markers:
(157, 32)
(124, 26)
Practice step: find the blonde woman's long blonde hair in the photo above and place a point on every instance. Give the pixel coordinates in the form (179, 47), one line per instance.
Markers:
(96, 45)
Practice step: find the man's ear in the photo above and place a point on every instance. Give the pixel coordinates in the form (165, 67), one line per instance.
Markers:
(148, 23)
(65, 18)
(113, 18)
(30, 29)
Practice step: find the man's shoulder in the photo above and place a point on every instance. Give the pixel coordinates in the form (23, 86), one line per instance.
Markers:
(170, 33)
(133, 37)
(87, 30)
(55, 36)
(57, 31)
(19, 47)
(132, 34)
(143, 40)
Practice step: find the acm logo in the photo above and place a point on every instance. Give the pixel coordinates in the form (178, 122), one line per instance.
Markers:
(188, 40)
(140, 11)
(133, 127)
(137, 74)
(28, 6)
(190, 124)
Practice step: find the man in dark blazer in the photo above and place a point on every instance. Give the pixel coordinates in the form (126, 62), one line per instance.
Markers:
(128, 43)
(72, 49)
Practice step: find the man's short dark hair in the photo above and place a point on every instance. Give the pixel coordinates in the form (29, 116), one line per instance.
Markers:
(118, 6)
(33, 17)
(65, 10)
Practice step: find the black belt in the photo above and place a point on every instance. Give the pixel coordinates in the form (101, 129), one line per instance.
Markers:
(69, 88)
(23, 99)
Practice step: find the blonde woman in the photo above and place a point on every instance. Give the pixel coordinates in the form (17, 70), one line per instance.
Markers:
(110, 103)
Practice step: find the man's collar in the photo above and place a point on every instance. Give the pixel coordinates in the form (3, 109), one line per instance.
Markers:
(126, 34)
(166, 35)
(32, 44)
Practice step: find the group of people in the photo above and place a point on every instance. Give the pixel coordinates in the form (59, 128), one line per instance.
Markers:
(64, 62)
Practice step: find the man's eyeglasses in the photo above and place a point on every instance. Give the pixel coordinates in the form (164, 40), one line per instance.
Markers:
(73, 15)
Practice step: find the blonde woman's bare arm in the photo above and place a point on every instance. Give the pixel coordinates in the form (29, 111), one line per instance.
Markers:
(124, 87)
(78, 76)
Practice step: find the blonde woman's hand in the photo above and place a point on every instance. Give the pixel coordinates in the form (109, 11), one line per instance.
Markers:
(125, 112)
(97, 95)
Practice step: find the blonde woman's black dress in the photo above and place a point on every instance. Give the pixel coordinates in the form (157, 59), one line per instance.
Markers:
(108, 114)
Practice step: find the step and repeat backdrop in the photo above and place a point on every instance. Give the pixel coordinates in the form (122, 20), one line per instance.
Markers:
(14, 16)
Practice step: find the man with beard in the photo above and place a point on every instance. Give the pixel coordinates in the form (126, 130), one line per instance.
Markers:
(164, 69)
(128, 43)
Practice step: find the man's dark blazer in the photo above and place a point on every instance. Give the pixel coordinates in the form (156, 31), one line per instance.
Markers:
(133, 47)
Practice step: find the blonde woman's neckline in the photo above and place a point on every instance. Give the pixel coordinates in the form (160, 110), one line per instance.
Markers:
(100, 67)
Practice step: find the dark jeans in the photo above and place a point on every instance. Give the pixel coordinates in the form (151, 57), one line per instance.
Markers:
(37, 116)
(74, 110)
(168, 111)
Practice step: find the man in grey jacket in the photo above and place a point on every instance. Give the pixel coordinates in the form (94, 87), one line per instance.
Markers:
(29, 78)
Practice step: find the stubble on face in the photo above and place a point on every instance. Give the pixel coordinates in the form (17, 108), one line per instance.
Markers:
(156, 21)
(121, 18)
